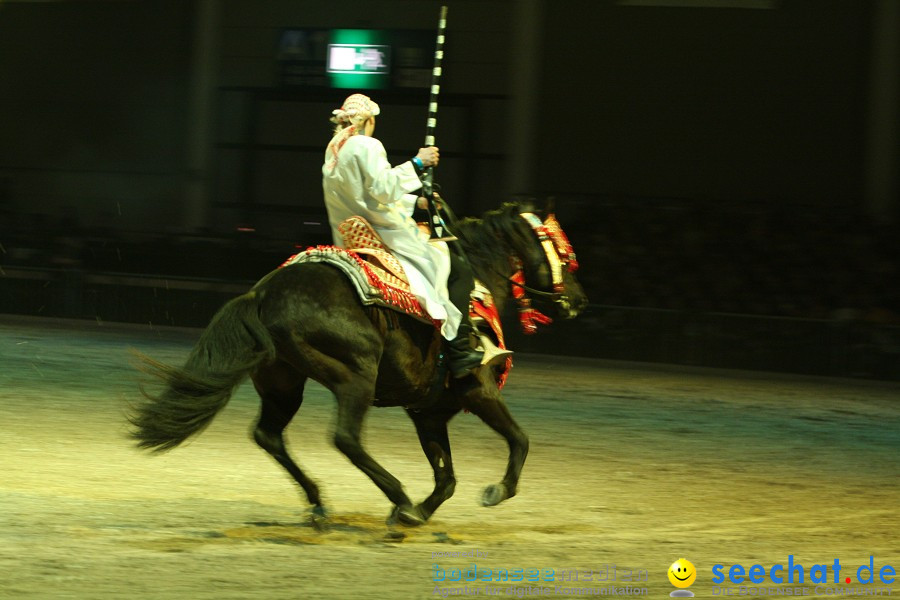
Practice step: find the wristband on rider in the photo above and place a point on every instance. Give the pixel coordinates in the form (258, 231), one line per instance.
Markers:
(417, 163)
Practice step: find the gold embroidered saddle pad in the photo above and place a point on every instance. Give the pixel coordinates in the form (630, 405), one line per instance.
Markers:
(376, 274)
(361, 238)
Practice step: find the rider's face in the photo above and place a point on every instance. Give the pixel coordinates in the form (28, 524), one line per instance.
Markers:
(370, 127)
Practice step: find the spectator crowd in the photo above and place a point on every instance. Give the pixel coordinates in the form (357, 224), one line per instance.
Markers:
(790, 261)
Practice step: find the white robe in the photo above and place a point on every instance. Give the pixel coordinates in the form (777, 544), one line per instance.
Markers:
(364, 183)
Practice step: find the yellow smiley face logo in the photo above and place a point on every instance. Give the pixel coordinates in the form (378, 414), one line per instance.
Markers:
(682, 573)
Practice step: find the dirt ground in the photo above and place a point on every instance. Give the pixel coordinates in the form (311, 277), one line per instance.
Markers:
(629, 466)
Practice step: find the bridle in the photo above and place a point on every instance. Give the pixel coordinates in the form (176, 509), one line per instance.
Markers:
(560, 256)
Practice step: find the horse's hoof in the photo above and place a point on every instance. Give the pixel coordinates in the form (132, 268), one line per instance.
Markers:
(423, 512)
(410, 517)
(394, 536)
(407, 515)
(319, 518)
(494, 494)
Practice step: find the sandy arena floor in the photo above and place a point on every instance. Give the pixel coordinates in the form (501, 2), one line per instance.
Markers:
(629, 466)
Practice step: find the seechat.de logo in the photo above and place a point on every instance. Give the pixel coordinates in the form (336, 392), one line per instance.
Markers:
(794, 572)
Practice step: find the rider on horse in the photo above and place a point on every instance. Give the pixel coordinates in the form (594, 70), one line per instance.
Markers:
(359, 180)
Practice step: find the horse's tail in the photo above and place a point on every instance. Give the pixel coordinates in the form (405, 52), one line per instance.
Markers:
(231, 347)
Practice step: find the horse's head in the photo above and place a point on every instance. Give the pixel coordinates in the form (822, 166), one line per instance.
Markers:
(548, 262)
(539, 255)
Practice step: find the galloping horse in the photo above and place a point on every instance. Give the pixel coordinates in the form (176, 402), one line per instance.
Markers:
(305, 321)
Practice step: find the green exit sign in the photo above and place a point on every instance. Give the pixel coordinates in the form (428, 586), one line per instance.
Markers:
(359, 59)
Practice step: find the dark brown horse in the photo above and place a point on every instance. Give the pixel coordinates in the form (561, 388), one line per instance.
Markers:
(305, 321)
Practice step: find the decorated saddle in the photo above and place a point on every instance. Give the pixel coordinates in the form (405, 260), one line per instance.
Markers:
(375, 273)
(379, 280)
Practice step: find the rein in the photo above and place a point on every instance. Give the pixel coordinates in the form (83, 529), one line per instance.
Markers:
(517, 280)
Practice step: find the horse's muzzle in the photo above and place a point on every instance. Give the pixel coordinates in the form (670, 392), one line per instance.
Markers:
(570, 308)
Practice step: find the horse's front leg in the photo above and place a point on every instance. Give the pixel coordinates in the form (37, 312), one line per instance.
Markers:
(431, 427)
(485, 401)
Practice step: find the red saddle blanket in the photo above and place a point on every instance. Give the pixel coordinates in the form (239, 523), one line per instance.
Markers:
(373, 284)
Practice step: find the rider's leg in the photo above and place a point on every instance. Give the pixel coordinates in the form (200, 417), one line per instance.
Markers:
(462, 356)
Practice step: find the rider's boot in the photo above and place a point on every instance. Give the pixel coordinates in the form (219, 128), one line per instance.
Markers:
(462, 357)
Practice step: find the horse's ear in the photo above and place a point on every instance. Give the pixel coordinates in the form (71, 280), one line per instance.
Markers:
(549, 206)
(525, 204)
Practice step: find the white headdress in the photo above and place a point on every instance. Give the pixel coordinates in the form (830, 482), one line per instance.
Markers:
(356, 110)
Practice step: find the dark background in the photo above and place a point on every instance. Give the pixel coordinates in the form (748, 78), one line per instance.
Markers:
(727, 170)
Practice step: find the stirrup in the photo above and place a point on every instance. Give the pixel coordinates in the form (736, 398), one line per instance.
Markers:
(492, 354)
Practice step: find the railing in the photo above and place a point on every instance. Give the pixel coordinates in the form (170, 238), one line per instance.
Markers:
(805, 346)
(731, 341)
(121, 297)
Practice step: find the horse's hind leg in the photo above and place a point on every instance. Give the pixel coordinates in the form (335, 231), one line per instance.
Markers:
(281, 391)
(486, 402)
(431, 426)
(354, 398)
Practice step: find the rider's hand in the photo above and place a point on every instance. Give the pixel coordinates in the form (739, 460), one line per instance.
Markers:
(429, 156)
(422, 202)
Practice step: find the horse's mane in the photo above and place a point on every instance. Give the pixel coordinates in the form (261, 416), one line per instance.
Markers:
(490, 240)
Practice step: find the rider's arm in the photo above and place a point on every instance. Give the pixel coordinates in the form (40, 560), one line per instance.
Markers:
(383, 183)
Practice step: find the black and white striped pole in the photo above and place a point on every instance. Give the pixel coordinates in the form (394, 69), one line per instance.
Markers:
(438, 229)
